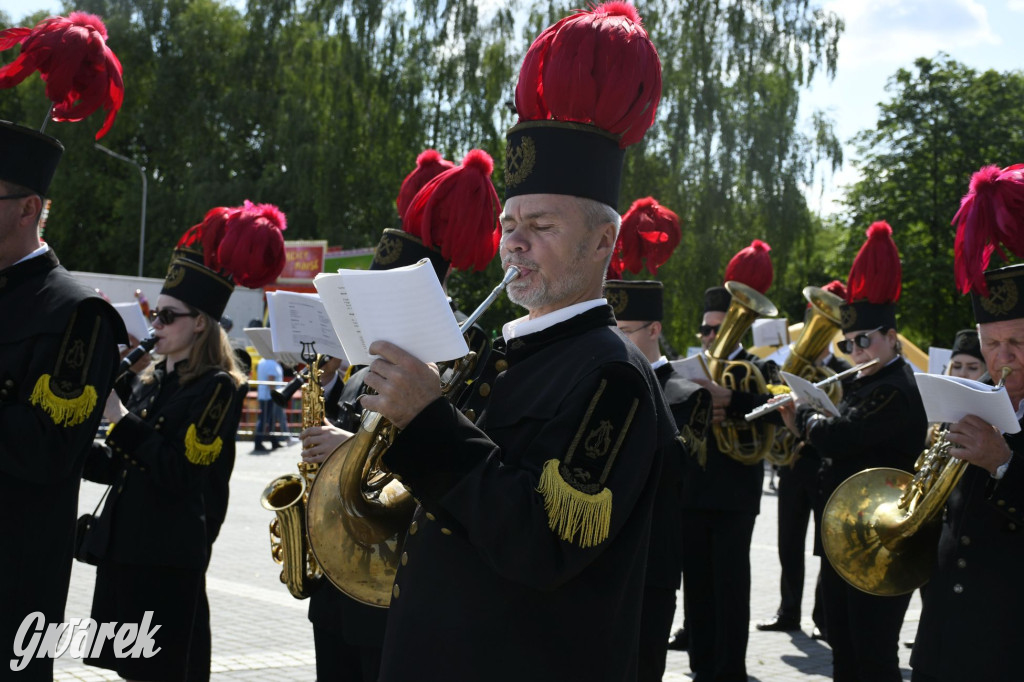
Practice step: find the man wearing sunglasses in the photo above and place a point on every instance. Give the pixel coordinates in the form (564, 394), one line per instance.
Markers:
(58, 354)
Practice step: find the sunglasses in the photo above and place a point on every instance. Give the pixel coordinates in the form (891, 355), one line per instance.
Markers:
(862, 341)
(707, 329)
(167, 316)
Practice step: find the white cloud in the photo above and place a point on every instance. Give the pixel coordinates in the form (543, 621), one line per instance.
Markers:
(1015, 5)
(882, 32)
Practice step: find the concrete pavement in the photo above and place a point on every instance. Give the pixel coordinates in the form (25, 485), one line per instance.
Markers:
(261, 633)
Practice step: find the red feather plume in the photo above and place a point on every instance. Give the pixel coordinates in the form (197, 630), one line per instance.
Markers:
(252, 247)
(991, 216)
(836, 287)
(429, 164)
(876, 275)
(457, 212)
(207, 235)
(649, 234)
(597, 67)
(81, 73)
(752, 266)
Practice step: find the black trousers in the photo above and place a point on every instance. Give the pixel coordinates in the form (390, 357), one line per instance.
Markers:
(797, 495)
(200, 650)
(716, 582)
(339, 661)
(863, 630)
(655, 627)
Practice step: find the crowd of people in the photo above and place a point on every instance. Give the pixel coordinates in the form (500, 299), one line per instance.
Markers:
(575, 481)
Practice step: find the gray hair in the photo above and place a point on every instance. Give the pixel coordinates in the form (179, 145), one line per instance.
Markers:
(596, 214)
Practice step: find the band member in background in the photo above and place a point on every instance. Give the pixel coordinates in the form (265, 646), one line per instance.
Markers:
(348, 634)
(970, 624)
(171, 426)
(966, 360)
(58, 355)
(798, 497)
(534, 522)
(649, 234)
(881, 424)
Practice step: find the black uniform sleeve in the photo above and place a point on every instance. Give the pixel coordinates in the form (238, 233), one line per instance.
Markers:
(1007, 493)
(100, 465)
(869, 424)
(532, 521)
(47, 426)
(176, 457)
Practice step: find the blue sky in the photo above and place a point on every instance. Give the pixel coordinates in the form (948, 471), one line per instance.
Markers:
(881, 36)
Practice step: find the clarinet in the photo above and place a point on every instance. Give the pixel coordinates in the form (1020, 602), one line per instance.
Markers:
(145, 345)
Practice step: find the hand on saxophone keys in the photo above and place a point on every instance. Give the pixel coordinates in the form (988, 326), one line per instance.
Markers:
(318, 442)
(404, 386)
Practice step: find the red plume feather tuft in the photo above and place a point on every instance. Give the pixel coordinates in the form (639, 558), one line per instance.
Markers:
(596, 67)
(252, 247)
(429, 164)
(81, 73)
(649, 234)
(752, 266)
(836, 287)
(875, 275)
(457, 212)
(991, 216)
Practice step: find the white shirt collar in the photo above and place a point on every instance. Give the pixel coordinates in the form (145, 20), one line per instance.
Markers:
(43, 248)
(524, 325)
(659, 362)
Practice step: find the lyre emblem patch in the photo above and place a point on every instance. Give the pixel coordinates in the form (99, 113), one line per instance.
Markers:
(519, 161)
(598, 440)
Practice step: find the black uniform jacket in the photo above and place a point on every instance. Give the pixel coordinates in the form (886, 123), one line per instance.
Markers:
(58, 354)
(494, 585)
(717, 482)
(881, 424)
(691, 409)
(157, 459)
(972, 625)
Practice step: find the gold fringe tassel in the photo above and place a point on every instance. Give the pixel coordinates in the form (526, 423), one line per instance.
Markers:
(201, 453)
(571, 511)
(63, 411)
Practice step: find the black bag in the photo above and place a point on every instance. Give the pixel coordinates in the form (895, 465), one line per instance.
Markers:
(84, 525)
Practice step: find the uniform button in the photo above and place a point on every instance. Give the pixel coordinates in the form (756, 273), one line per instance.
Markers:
(3, 393)
(431, 517)
(958, 588)
(145, 413)
(120, 488)
(405, 558)
(962, 563)
(470, 415)
(160, 419)
(446, 531)
(1012, 510)
(485, 390)
(501, 365)
(965, 540)
(1001, 503)
(395, 591)
(413, 527)
(1012, 526)
(9, 383)
(124, 474)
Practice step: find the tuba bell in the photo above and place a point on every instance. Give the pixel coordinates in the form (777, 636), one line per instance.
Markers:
(288, 495)
(358, 512)
(819, 328)
(745, 442)
(880, 527)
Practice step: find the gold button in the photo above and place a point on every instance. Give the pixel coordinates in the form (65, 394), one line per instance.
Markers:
(1001, 503)
(120, 488)
(958, 588)
(446, 531)
(485, 390)
(962, 563)
(413, 527)
(9, 383)
(395, 591)
(431, 517)
(501, 365)
(405, 558)
(124, 474)
(470, 415)
(160, 419)
(145, 413)
(1012, 526)
(1012, 510)
(965, 540)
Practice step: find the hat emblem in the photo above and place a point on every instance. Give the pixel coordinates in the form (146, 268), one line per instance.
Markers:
(617, 299)
(388, 250)
(175, 275)
(519, 160)
(1002, 297)
(849, 316)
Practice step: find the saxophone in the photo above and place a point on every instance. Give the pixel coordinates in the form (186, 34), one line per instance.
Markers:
(288, 495)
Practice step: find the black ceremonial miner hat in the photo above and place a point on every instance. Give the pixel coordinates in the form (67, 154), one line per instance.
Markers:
(635, 300)
(27, 157)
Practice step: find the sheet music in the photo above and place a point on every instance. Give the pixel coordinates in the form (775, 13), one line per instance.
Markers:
(950, 399)
(405, 306)
(134, 320)
(693, 367)
(808, 394)
(264, 345)
(296, 317)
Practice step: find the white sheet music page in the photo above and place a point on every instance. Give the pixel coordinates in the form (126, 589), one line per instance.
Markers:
(950, 399)
(134, 320)
(692, 367)
(404, 306)
(808, 394)
(297, 317)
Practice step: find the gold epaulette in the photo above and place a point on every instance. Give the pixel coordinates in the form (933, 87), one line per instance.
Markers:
(65, 395)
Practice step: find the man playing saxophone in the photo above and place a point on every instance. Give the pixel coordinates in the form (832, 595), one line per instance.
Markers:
(971, 625)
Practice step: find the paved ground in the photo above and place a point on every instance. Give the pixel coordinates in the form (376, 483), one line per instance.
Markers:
(261, 633)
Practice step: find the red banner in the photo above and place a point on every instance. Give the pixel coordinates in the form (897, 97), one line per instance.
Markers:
(304, 261)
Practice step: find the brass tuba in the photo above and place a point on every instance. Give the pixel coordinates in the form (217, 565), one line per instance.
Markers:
(288, 495)
(746, 442)
(358, 512)
(818, 331)
(880, 527)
